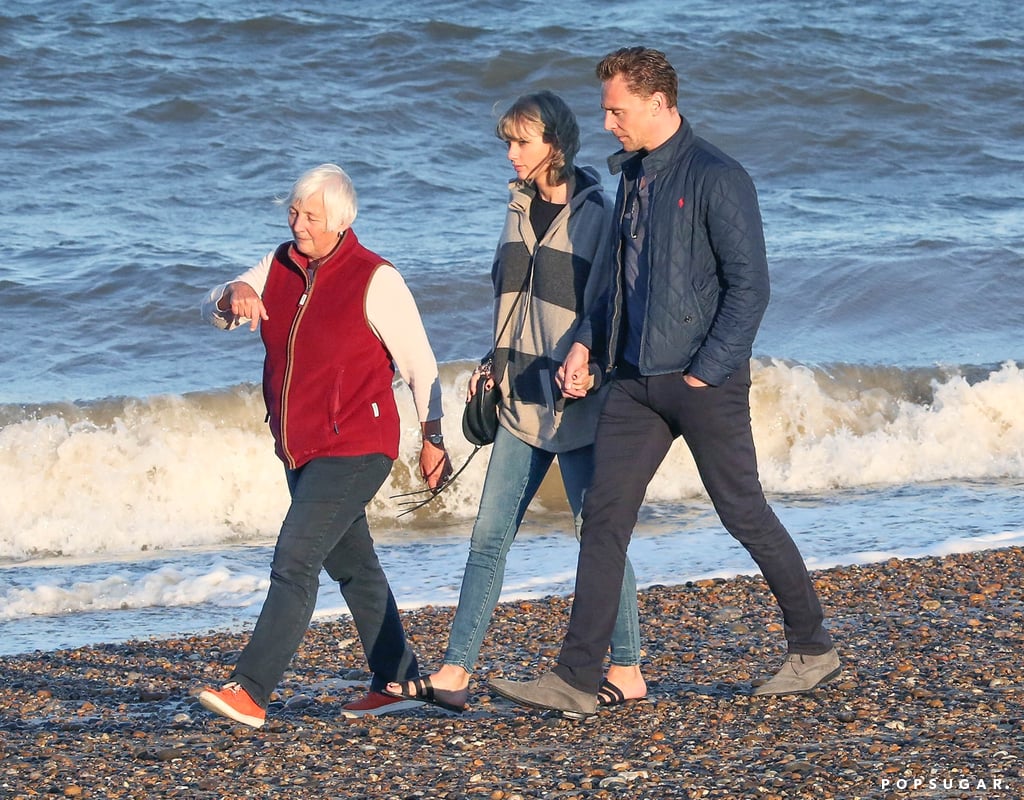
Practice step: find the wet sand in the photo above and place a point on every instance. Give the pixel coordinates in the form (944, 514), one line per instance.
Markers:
(930, 704)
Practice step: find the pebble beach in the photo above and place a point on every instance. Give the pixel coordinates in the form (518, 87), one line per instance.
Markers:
(929, 705)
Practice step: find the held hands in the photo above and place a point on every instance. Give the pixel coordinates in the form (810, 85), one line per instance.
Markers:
(243, 302)
(573, 377)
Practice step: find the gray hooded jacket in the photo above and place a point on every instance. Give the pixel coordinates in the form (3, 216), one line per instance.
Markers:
(562, 276)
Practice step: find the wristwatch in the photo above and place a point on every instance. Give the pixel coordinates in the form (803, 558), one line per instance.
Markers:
(436, 439)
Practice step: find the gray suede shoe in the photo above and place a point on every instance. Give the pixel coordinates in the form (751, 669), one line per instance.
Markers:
(548, 692)
(801, 673)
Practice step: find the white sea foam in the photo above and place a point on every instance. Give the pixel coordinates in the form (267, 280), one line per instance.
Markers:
(175, 471)
(819, 430)
(200, 593)
(130, 589)
(824, 434)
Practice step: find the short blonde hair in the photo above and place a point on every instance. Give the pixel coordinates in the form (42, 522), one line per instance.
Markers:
(550, 113)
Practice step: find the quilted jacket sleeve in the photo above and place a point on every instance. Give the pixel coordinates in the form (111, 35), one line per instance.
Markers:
(737, 240)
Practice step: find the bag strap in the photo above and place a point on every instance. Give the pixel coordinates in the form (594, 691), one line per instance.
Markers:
(508, 317)
(417, 504)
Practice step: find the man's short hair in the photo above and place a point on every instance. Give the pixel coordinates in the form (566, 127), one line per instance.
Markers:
(644, 70)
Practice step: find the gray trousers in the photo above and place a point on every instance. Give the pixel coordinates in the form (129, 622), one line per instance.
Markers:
(640, 420)
(326, 527)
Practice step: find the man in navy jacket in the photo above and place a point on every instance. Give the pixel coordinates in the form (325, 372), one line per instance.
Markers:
(675, 332)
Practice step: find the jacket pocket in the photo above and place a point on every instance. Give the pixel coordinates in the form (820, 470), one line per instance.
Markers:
(335, 402)
(705, 301)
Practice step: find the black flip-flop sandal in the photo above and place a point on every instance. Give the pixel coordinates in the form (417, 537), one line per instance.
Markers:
(425, 692)
(611, 695)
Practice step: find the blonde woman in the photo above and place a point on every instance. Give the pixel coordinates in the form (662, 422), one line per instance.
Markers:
(551, 263)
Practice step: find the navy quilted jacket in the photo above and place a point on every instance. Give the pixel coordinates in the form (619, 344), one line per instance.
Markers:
(708, 286)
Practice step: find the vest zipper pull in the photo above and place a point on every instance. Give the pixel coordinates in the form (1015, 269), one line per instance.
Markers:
(302, 300)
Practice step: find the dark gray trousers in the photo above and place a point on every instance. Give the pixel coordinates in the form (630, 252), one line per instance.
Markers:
(640, 420)
(326, 527)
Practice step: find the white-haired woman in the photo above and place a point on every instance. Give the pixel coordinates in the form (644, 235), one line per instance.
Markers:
(335, 319)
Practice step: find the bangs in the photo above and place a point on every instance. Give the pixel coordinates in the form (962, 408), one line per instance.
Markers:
(518, 125)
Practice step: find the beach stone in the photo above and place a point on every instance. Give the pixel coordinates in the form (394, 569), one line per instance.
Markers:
(298, 701)
(726, 614)
(170, 753)
(941, 685)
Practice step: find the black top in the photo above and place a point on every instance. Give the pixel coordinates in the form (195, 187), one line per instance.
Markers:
(542, 214)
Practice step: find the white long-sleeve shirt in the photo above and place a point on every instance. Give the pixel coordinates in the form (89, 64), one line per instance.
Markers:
(394, 319)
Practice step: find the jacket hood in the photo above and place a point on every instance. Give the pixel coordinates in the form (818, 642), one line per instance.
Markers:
(583, 182)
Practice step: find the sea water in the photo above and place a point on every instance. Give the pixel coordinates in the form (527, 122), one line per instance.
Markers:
(142, 149)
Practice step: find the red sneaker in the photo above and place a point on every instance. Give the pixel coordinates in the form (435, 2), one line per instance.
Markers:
(375, 704)
(233, 702)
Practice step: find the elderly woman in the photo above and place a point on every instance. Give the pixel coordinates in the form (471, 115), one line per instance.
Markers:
(551, 263)
(336, 319)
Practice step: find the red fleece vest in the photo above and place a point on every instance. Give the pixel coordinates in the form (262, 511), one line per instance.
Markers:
(326, 377)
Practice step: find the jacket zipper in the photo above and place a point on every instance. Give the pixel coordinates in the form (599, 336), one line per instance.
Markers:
(302, 304)
(612, 335)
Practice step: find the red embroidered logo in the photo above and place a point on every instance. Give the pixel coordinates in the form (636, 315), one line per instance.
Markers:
(682, 202)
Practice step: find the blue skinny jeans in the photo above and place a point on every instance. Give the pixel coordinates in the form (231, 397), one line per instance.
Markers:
(514, 474)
